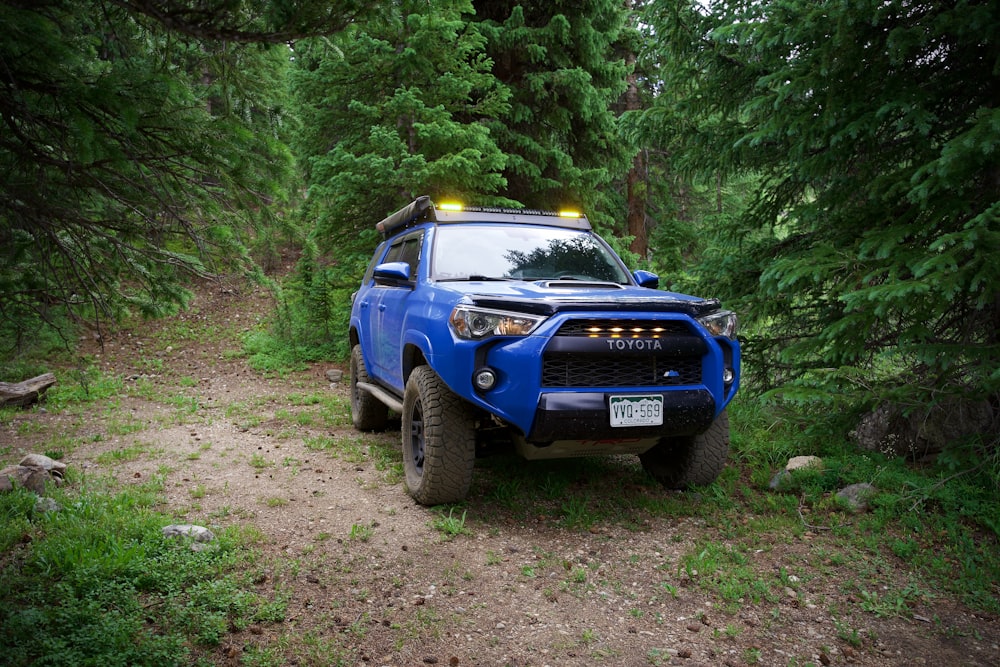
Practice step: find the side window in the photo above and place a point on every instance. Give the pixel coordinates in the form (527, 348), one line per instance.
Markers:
(411, 253)
(406, 249)
(394, 251)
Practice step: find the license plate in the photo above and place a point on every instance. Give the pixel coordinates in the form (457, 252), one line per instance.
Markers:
(636, 410)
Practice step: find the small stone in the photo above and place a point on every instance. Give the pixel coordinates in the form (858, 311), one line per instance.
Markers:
(196, 533)
(43, 505)
(430, 660)
(694, 627)
(781, 477)
(334, 375)
(856, 496)
(799, 462)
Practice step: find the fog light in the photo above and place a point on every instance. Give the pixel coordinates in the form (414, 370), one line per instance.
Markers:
(728, 375)
(484, 379)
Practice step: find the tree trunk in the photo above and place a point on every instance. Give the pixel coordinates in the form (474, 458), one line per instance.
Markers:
(635, 183)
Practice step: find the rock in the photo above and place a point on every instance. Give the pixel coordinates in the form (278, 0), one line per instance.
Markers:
(334, 375)
(856, 496)
(799, 462)
(780, 477)
(783, 476)
(32, 478)
(199, 536)
(895, 430)
(43, 505)
(56, 469)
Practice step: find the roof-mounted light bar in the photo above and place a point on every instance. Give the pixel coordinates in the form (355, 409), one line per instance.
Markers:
(423, 209)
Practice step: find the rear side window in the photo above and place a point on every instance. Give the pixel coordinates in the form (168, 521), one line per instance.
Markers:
(407, 249)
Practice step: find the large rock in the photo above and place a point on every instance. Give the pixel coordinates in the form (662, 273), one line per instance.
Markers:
(198, 537)
(925, 430)
(32, 473)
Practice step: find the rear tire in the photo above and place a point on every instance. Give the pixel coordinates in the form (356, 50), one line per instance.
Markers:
(439, 441)
(367, 412)
(685, 461)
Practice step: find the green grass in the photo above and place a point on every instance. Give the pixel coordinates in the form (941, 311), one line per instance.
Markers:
(449, 525)
(80, 583)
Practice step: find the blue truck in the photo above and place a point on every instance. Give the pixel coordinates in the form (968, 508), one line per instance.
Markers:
(486, 327)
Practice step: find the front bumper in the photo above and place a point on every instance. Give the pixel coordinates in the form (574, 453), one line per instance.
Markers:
(586, 416)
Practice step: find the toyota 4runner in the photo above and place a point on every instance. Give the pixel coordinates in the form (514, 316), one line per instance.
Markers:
(482, 326)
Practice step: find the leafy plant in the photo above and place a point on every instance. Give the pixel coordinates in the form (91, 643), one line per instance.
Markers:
(450, 526)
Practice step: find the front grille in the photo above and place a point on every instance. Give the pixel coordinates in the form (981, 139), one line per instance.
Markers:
(565, 370)
(625, 328)
(673, 365)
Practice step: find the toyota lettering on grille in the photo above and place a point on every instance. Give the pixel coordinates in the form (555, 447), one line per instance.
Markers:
(652, 344)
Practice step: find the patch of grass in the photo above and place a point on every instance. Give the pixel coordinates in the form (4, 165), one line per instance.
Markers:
(727, 571)
(96, 582)
(319, 443)
(450, 526)
(275, 356)
(82, 386)
(123, 455)
(259, 462)
(576, 513)
(361, 532)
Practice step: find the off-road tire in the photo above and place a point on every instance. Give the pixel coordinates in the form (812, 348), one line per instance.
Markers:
(367, 412)
(686, 461)
(439, 442)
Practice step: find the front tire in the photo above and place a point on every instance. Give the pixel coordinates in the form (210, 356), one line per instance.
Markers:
(685, 461)
(367, 412)
(439, 443)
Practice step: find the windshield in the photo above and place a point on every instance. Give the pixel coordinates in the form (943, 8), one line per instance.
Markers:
(522, 252)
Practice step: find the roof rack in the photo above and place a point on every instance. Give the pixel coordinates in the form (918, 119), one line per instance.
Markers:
(422, 209)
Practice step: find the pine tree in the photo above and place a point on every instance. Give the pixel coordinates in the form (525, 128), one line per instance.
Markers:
(870, 249)
(558, 60)
(136, 145)
(390, 110)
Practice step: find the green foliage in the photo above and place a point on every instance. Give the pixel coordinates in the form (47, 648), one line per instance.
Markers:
(390, 109)
(137, 159)
(88, 578)
(559, 62)
(865, 263)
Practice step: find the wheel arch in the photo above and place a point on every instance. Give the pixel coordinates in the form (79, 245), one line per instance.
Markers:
(413, 357)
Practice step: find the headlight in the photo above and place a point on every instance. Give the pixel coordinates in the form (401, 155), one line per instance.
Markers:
(478, 323)
(721, 323)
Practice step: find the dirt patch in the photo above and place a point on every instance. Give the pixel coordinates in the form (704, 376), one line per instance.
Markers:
(590, 575)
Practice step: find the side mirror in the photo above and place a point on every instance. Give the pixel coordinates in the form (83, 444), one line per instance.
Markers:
(646, 279)
(392, 273)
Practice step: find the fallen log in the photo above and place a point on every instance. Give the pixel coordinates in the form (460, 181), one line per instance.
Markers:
(25, 393)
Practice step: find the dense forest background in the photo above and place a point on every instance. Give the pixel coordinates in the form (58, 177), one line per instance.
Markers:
(829, 169)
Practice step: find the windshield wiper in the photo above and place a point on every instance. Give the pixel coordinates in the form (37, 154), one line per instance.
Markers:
(476, 277)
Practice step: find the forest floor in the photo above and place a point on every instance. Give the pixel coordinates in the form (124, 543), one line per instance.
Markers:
(547, 563)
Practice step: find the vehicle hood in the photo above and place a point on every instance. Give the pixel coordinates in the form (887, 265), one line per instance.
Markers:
(548, 297)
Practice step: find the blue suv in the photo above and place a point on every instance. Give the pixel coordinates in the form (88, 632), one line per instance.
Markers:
(484, 327)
